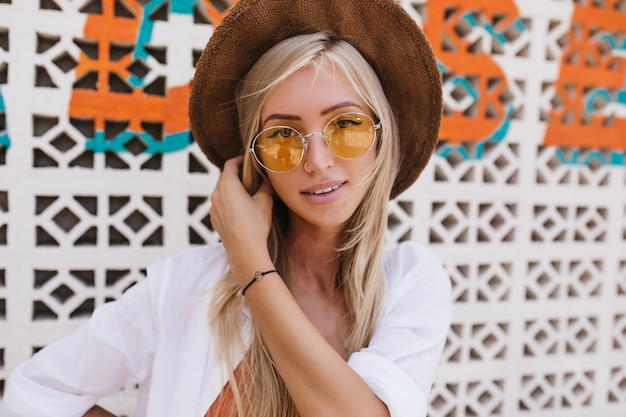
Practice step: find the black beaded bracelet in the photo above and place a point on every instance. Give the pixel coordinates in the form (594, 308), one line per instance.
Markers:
(258, 276)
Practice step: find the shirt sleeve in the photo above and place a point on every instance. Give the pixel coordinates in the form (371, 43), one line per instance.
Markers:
(400, 362)
(114, 348)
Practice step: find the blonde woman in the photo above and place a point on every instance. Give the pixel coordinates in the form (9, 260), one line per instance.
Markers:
(318, 113)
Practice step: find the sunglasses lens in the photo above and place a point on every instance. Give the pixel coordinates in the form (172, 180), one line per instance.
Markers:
(350, 135)
(279, 149)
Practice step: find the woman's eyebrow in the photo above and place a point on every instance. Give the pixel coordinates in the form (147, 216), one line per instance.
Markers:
(284, 116)
(339, 106)
(280, 116)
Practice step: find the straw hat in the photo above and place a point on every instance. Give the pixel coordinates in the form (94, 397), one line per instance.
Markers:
(381, 30)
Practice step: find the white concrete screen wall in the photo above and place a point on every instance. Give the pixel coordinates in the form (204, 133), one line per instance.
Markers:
(524, 200)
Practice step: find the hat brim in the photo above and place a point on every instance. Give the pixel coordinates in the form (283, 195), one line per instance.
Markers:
(381, 30)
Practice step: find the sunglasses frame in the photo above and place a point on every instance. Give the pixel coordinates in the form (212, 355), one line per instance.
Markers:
(305, 141)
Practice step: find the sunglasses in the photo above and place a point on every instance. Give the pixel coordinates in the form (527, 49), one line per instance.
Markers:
(280, 149)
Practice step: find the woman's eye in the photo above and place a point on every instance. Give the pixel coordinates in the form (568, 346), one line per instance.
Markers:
(346, 123)
(283, 132)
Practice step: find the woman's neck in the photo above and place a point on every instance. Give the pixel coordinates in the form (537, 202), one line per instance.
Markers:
(313, 259)
(313, 262)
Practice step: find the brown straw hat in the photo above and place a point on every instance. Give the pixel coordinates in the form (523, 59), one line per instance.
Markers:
(381, 30)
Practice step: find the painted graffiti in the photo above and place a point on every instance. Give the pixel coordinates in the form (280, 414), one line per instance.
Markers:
(587, 118)
(590, 93)
(5, 141)
(475, 112)
(121, 78)
(137, 98)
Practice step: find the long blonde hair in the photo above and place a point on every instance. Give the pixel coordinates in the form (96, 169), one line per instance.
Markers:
(360, 252)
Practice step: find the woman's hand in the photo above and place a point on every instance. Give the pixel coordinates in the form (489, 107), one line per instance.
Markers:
(242, 221)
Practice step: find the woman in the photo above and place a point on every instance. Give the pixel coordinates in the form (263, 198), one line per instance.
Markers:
(308, 315)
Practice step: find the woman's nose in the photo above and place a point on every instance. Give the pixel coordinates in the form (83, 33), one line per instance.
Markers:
(318, 157)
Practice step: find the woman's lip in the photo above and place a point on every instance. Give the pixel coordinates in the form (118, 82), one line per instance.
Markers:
(322, 189)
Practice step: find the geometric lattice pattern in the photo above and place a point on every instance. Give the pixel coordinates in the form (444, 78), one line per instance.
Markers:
(523, 201)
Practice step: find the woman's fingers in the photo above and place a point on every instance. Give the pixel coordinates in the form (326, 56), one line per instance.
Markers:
(234, 211)
(233, 165)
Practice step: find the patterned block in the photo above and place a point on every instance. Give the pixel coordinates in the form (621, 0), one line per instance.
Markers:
(523, 200)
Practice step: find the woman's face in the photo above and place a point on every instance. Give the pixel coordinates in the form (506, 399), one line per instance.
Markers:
(323, 191)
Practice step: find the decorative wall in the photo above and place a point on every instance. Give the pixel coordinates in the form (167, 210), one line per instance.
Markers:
(524, 201)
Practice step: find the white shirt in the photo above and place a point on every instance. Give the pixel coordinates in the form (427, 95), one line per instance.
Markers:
(157, 335)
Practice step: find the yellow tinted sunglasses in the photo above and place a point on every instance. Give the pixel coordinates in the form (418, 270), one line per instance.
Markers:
(280, 149)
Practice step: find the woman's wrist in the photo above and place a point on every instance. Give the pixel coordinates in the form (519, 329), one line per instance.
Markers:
(246, 264)
(258, 276)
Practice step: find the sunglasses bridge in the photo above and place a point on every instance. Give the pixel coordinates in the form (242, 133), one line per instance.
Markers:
(305, 140)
